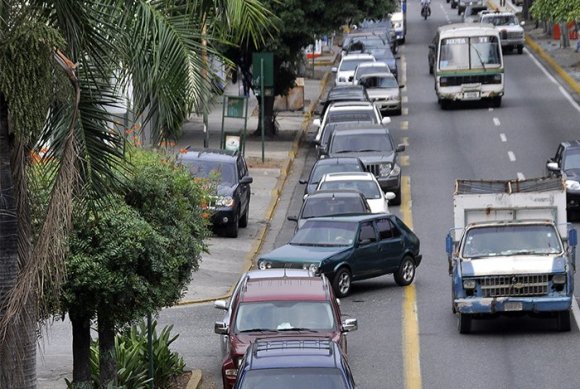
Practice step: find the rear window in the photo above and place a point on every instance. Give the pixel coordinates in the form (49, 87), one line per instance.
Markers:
(292, 378)
(368, 188)
(360, 116)
(315, 207)
(321, 170)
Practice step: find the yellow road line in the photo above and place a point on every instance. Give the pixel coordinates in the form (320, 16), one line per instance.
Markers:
(404, 125)
(410, 326)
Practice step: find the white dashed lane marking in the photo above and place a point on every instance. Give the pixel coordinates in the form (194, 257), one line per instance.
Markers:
(496, 122)
(511, 156)
(503, 138)
(521, 176)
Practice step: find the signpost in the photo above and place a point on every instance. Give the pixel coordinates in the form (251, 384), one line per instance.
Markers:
(234, 107)
(264, 78)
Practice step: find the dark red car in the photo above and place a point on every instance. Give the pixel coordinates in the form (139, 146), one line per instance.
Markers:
(277, 303)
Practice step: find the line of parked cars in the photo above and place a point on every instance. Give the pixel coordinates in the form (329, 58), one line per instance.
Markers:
(283, 326)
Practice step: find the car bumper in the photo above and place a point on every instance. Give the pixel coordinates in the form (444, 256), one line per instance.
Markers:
(512, 43)
(512, 304)
(388, 105)
(221, 216)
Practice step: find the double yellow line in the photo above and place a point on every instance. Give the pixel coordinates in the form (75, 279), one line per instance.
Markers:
(410, 325)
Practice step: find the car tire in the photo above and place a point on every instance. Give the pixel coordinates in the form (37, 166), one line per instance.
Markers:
(563, 320)
(445, 104)
(464, 323)
(233, 227)
(397, 199)
(520, 49)
(244, 219)
(405, 274)
(342, 282)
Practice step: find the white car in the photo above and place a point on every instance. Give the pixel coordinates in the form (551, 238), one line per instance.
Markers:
(348, 64)
(350, 111)
(369, 67)
(364, 182)
(510, 29)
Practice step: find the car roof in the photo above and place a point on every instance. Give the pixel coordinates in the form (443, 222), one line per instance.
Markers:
(467, 28)
(349, 218)
(379, 74)
(356, 56)
(344, 91)
(352, 176)
(501, 13)
(335, 193)
(208, 154)
(338, 160)
(346, 105)
(373, 64)
(293, 352)
(284, 288)
(361, 128)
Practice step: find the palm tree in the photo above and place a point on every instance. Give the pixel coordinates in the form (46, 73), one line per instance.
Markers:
(63, 63)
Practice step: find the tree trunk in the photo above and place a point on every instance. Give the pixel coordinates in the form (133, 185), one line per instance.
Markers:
(81, 328)
(564, 37)
(270, 128)
(107, 363)
(18, 348)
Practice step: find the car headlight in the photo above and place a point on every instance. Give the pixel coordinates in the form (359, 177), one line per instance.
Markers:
(224, 201)
(263, 265)
(396, 170)
(313, 267)
(572, 185)
(468, 284)
(559, 279)
(497, 79)
(384, 169)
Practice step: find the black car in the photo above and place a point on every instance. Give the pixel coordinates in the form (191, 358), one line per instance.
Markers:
(566, 164)
(331, 203)
(327, 131)
(330, 165)
(374, 146)
(343, 93)
(295, 362)
(230, 205)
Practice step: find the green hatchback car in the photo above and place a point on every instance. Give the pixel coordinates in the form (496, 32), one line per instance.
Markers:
(351, 248)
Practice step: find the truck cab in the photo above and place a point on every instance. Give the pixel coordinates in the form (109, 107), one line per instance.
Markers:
(511, 251)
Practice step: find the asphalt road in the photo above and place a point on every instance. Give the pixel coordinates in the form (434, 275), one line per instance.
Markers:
(467, 142)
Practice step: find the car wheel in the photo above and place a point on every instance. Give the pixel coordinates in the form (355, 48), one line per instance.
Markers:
(245, 217)
(232, 228)
(406, 272)
(453, 5)
(445, 104)
(464, 323)
(563, 319)
(397, 199)
(520, 49)
(342, 282)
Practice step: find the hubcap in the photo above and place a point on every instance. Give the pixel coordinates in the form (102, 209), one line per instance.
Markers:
(344, 283)
(408, 271)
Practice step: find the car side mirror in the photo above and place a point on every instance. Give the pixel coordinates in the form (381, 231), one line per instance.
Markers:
(334, 69)
(432, 46)
(349, 325)
(390, 196)
(401, 86)
(220, 328)
(401, 148)
(386, 120)
(246, 180)
(364, 242)
(221, 304)
(553, 166)
(316, 122)
(522, 23)
(292, 218)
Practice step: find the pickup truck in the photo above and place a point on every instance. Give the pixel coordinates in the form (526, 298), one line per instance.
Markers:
(511, 251)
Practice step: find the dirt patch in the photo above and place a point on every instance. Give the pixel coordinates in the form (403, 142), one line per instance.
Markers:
(268, 163)
(181, 381)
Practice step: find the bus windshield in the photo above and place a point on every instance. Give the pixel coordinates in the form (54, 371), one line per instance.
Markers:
(480, 52)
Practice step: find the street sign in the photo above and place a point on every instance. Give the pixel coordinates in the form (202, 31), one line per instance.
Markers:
(268, 76)
(235, 106)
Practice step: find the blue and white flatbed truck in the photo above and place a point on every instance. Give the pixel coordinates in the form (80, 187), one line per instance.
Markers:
(511, 250)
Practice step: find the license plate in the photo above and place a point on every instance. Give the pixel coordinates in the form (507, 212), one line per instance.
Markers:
(470, 95)
(513, 306)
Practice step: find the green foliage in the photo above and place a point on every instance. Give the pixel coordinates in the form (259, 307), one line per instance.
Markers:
(131, 355)
(556, 10)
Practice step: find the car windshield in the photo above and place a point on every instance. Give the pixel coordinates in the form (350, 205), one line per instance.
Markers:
(501, 20)
(353, 116)
(361, 71)
(315, 207)
(531, 239)
(225, 173)
(325, 233)
(351, 64)
(354, 143)
(284, 315)
(367, 187)
(379, 82)
(293, 378)
(321, 170)
(571, 160)
(469, 53)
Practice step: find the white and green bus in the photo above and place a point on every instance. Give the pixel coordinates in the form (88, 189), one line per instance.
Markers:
(467, 63)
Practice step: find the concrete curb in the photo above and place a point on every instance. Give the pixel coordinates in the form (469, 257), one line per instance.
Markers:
(250, 257)
(194, 380)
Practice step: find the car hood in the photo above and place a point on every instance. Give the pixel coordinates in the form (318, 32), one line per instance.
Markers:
(225, 190)
(520, 264)
(375, 93)
(378, 205)
(290, 253)
(371, 157)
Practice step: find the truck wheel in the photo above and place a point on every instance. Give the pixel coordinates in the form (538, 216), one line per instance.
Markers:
(463, 323)
(406, 272)
(563, 321)
(342, 282)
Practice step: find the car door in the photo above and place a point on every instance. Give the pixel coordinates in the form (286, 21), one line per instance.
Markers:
(390, 245)
(365, 258)
(244, 188)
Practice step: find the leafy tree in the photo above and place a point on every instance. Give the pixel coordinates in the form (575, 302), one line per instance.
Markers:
(298, 23)
(557, 11)
(98, 48)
